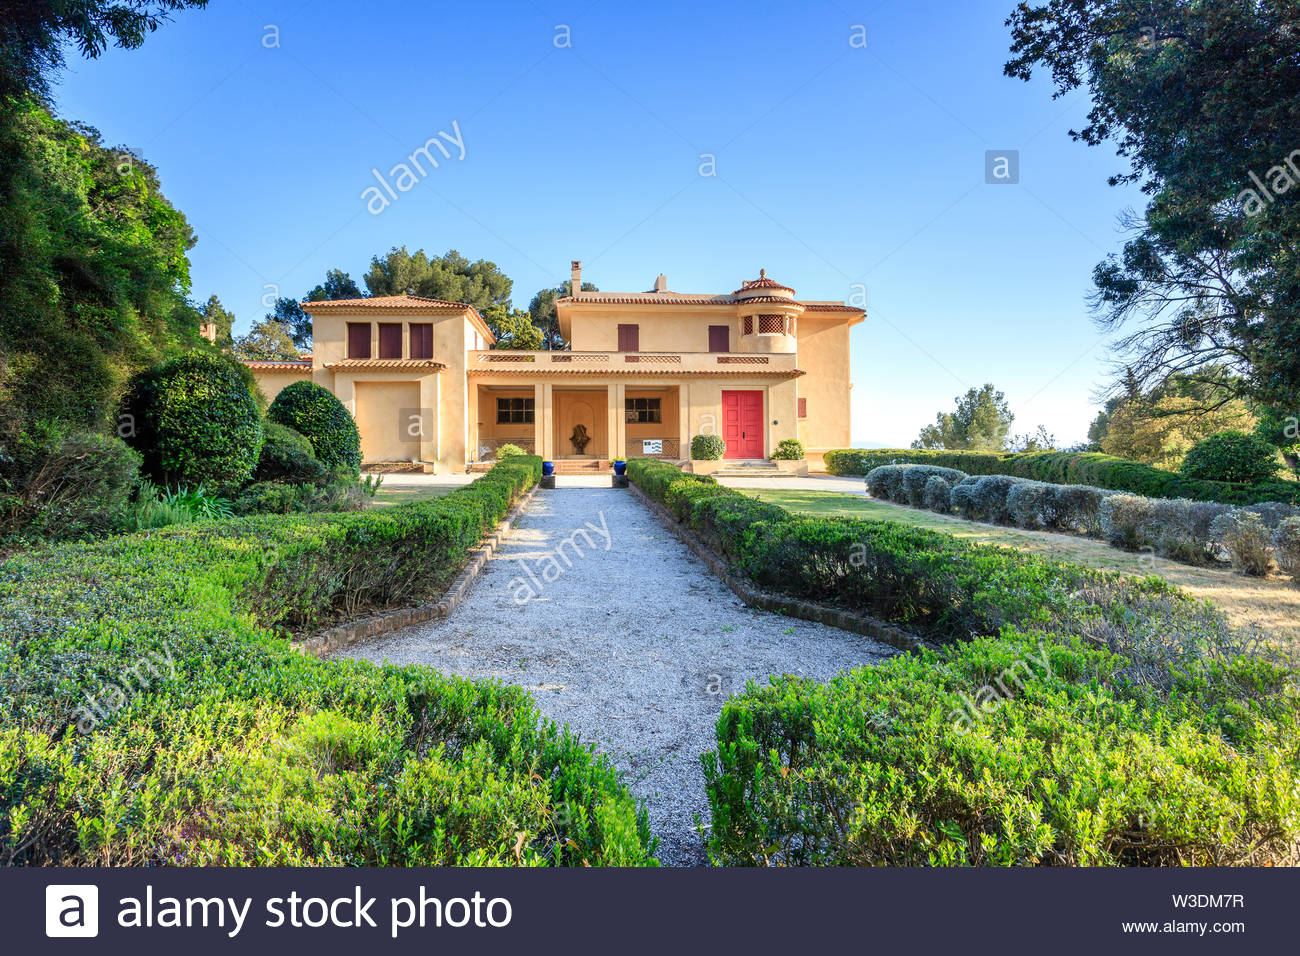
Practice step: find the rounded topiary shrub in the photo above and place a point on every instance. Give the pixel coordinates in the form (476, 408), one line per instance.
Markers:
(509, 451)
(1231, 456)
(1286, 542)
(708, 447)
(194, 421)
(788, 449)
(313, 411)
(287, 456)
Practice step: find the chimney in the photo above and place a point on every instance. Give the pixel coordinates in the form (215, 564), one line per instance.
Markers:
(661, 283)
(575, 275)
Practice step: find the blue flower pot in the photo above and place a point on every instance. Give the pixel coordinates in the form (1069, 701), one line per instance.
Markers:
(548, 469)
(620, 467)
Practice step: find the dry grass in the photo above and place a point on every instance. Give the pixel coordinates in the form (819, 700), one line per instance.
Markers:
(1271, 603)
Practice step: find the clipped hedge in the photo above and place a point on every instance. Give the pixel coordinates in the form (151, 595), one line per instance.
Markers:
(1068, 468)
(1069, 716)
(154, 714)
(313, 411)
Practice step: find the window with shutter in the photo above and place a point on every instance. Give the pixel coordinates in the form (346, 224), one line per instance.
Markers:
(390, 340)
(358, 340)
(421, 340)
(719, 338)
(803, 408)
(629, 338)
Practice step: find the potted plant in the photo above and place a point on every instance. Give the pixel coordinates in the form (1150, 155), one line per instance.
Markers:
(620, 466)
(548, 469)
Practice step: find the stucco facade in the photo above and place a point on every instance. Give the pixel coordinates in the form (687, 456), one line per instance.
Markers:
(645, 372)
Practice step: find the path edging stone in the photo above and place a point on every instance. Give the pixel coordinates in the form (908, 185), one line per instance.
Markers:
(331, 639)
(779, 603)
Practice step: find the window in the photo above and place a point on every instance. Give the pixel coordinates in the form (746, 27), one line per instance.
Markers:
(749, 325)
(719, 338)
(643, 411)
(514, 411)
(358, 340)
(771, 324)
(629, 338)
(421, 340)
(390, 340)
(803, 408)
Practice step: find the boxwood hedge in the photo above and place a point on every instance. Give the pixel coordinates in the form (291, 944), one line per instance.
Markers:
(1068, 468)
(155, 714)
(1067, 716)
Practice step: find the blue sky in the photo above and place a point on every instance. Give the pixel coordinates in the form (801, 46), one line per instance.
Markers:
(835, 165)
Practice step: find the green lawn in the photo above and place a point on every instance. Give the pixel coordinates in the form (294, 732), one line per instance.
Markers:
(406, 494)
(1271, 603)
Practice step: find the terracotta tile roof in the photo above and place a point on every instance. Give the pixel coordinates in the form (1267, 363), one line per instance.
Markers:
(303, 365)
(415, 364)
(523, 369)
(386, 302)
(830, 307)
(762, 282)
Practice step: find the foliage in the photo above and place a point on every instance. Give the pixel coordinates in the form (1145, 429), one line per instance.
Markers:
(231, 748)
(216, 313)
(788, 449)
(450, 276)
(93, 272)
(1232, 456)
(1286, 544)
(1040, 440)
(341, 491)
(1281, 430)
(1172, 528)
(287, 456)
(314, 412)
(513, 329)
(55, 487)
(1161, 433)
(1070, 717)
(290, 313)
(1202, 99)
(708, 447)
(980, 422)
(34, 35)
(1247, 541)
(195, 421)
(985, 497)
(542, 309)
(267, 341)
(938, 494)
(1067, 467)
(509, 451)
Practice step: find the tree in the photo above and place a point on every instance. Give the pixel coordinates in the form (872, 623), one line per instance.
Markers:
(1040, 440)
(542, 309)
(1161, 431)
(1231, 456)
(267, 341)
(979, 423)
(33, 36)
(1282, 431)
(1203, 100)
(513, 328)
(289, 315)
(451, 277)
(213, 311)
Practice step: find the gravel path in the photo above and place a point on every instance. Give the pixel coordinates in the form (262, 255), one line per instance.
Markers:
(623, 634)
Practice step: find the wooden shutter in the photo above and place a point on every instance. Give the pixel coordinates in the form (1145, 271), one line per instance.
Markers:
(358, 340)
(422, 340)
(719, 338)
(390, 340)
(803, 408)
(629, 338)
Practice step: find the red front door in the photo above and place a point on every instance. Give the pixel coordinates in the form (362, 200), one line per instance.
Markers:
(742, 423)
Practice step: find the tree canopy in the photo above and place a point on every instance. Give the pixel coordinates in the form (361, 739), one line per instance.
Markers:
(213, 311)
(542, 309)
(513, 328)
(450, 276)
(980, 422)
(267, 341)
(1203, 100)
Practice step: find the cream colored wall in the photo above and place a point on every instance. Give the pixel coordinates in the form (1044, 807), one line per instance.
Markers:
(588, 407)
(824, 355)
(662, 329)
(273, 382)
(384, 433)
(704, 411)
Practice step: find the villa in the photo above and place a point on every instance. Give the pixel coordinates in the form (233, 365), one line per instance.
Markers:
(645, 372)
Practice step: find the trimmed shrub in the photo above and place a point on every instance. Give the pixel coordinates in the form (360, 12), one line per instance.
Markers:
(231, 748)
(1273, 513)
(1247, 541)
(1031, 504)
(1286, 543)
(1069, 468)
(984, 497)
(708, 447)
(938, 494)
(287, 456)
(1181, 530)
(1231, 456)
(916, 476)
(1077, 508)
(313, 411)
(788, 449)
(63, 488)
(509, 450)
(194, 421)
(886, 482)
